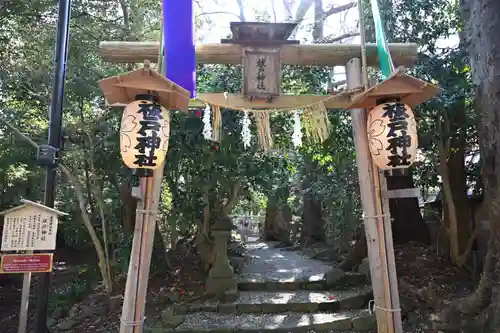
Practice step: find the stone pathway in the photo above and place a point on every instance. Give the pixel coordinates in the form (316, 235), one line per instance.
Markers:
(284, 291)
(271, 264)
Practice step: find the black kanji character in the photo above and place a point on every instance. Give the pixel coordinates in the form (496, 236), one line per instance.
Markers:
(403, 141)
(395, 111)
(150, 142)
(148, 125)
(261, 64)
(150, 111)
(399, 160)
(145, 160)
(398, 125)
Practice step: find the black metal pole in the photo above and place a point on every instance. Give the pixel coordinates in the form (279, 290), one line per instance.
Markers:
(54, 142)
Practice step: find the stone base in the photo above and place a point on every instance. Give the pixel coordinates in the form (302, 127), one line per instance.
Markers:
(218, 286)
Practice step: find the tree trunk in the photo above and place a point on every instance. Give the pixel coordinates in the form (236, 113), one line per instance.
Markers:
(482, 24)
(271, 212)
(159, 262)
(408, 224)
(456, 212)
(313, 223)
(129, 204)
(277, 221)
(312, 214)
(458, 186)
(319, 21)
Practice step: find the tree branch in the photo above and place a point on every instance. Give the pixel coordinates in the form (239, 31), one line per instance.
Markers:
(103, 263)
(242, 10)
(302, 10)
(288, 5)
(233, 198)
(220, 12)
(333, 39)
(462, 259)
(18, 133)
(338, 9)
(124, 9)
(273, 6)
(306, 4)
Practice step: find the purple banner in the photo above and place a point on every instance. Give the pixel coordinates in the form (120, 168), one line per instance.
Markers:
(180, 59)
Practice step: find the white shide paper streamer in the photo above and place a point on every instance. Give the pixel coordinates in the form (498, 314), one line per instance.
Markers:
(207, 123)
(297, 130)
(246, 135)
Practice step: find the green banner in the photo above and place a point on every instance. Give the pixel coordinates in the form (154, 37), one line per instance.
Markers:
(161, 55)
(384, 55)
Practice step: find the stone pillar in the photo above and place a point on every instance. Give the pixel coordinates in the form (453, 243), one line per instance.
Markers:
(221, 278)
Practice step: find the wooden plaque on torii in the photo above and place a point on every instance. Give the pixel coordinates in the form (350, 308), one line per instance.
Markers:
(261, 52)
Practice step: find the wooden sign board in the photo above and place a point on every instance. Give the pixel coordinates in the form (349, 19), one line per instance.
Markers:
(30, 227)
(262, 70)
(26, 263)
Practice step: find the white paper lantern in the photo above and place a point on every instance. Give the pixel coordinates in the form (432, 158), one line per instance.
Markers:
(392, 135)
(144, 135)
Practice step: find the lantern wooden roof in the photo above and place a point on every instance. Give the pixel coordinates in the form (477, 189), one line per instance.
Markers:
(123, 88)
(408, 89)
(28, 203)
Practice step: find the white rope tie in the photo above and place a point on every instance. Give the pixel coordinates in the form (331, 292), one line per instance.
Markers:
(376, 307)
(374, 217)
(147, 211)
(131, 323)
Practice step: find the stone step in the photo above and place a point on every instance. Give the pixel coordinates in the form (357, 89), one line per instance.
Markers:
(317, 282)
(287, 301)
(206, 322)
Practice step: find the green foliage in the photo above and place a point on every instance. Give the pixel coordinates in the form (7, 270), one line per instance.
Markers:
(431, 24)
(323, 171)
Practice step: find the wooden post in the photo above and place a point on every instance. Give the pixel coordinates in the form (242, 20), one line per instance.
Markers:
(25, 301)
(368, 201)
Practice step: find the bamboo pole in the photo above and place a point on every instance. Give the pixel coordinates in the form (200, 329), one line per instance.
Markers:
(381, 227)
(130, 321)
(301, 54)
(140, 261)
(391, 260)
(365, 174)
(149, 211)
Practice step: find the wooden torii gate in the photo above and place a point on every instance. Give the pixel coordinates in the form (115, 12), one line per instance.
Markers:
(307, 54)
(413, 91)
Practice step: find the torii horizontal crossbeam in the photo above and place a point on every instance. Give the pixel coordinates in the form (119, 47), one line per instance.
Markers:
(302, 54)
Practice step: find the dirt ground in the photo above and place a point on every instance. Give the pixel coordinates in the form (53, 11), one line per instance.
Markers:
(93, 313)
(423, 277)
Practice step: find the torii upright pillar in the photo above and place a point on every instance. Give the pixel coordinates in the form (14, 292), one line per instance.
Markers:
(379, 269)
